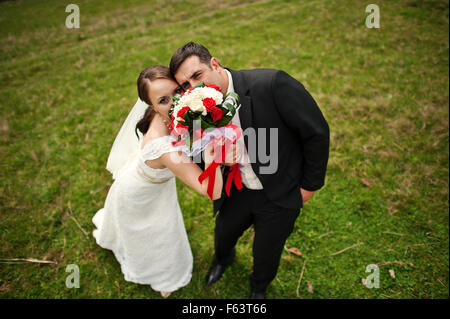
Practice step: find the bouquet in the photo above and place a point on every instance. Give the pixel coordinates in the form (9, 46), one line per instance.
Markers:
(202, 116)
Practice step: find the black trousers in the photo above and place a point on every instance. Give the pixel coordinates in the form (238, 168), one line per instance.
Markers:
(272, 225)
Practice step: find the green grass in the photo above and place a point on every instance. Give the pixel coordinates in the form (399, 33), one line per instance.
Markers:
(65, 93)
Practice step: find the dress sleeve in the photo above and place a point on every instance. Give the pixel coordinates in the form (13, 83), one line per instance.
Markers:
(158, 147)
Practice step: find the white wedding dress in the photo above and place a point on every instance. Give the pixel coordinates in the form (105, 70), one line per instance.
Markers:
(141, 223)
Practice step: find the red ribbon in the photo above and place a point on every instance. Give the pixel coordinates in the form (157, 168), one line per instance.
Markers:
(234, 174)
(210, 171)
(179, 143)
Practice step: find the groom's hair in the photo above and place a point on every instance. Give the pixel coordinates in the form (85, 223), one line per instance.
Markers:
(187, 50)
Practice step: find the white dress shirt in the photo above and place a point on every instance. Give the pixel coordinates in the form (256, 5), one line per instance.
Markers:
(249, 178)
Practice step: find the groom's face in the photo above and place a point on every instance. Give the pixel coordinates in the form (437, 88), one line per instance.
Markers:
(192, 71)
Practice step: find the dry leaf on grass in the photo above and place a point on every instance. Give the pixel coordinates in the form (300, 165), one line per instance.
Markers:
(294, 251)
(366, 183)
(34, 156)
(309, 287)
(392, 273)
(4, 127)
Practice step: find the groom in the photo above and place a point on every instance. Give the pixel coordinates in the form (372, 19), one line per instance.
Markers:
(271, 201)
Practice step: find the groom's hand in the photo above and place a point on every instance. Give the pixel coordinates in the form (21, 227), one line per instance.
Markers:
(306, 195)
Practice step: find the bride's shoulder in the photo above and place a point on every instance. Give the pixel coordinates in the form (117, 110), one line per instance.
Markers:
(155, 132)
(151, 138)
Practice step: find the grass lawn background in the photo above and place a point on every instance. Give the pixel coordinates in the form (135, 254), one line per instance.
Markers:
(64, 94)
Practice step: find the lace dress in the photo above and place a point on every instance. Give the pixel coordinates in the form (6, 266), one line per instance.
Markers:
(141, 223)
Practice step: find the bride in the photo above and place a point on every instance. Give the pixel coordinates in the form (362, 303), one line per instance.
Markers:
(141, 220)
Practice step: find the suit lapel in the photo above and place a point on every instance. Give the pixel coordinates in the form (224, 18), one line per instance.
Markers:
(245, 111)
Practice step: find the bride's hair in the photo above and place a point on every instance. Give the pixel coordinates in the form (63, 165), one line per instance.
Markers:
(147, 75)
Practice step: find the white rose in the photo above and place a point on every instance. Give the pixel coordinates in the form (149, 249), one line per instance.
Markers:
(205, 92)
(214, 94)
(197, 106)
(183, 101)
(197, 94)
(176, 109)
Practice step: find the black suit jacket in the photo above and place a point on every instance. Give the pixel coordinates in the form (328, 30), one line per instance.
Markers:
(273, 99)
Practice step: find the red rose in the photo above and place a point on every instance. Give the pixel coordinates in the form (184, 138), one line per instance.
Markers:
(213, 86)
(182, 111)
(209, 103)
(179, 125)
(216, 114)
(181, 129)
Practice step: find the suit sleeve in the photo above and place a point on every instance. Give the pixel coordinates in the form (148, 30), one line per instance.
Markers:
(301, 114)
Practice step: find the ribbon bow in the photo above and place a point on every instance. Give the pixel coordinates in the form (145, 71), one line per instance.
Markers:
(234, 174)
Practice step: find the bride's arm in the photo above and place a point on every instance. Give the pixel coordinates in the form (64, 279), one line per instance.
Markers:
(188, 172)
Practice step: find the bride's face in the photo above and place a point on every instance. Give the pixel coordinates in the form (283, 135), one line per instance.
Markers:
(160, 92)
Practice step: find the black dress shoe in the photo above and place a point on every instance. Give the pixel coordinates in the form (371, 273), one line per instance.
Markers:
(217, 269)
(258, 295)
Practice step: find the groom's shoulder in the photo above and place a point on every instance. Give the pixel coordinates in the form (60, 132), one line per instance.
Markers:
(259, 73)
(259, 77)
